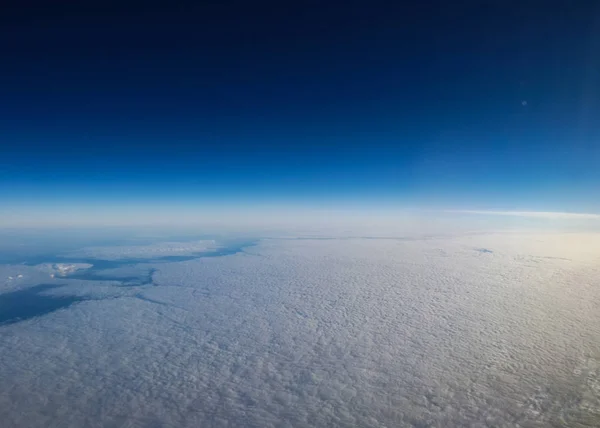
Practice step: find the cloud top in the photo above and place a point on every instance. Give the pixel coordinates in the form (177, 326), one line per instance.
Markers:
(493, 329)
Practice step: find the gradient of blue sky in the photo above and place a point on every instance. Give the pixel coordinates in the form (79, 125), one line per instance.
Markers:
(353, 103)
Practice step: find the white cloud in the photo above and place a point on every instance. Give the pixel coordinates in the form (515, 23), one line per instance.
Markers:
(148, 251)
(337, 332)
(535, 214)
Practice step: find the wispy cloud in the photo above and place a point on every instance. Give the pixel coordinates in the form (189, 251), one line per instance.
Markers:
(535, 214)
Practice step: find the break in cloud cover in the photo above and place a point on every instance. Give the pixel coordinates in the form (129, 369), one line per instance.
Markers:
(475, 329)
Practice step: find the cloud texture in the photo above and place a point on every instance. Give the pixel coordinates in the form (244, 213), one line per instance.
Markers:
(479, 330)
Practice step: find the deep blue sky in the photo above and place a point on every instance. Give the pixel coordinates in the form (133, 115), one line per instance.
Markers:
(485, 104)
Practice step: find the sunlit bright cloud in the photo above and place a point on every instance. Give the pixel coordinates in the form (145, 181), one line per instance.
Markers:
(535, 214)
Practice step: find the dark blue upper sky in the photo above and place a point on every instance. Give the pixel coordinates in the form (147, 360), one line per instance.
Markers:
(482, 104)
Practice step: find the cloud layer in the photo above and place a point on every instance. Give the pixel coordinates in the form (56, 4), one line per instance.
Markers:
(472, 330)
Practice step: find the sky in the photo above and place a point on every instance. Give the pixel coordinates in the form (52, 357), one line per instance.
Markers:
(314, 104)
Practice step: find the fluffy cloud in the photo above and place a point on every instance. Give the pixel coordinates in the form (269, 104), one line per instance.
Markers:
(338, 332)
